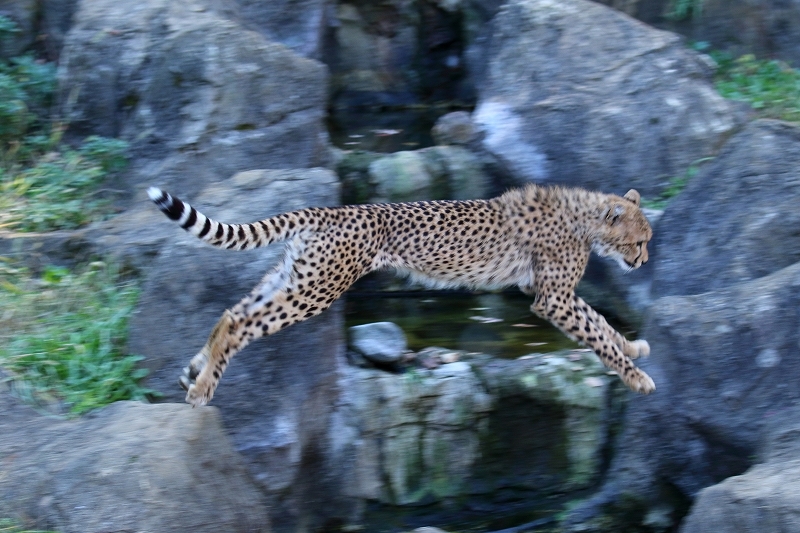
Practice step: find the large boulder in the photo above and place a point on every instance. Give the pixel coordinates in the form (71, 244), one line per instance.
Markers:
(737, 220)
(581, 94)
(127, 467)
(197, 95)
(277, 395)
(724, 363)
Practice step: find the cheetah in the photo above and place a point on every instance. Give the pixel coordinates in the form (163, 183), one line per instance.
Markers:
(535, 237)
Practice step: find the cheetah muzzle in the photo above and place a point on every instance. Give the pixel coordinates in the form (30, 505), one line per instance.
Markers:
(537, 238)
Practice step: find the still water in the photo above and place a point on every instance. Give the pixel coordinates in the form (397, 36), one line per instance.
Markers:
(499, 324)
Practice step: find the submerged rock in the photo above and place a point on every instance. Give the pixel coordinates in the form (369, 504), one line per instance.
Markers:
(382, 342)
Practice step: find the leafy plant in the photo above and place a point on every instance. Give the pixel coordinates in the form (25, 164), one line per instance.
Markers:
(8, 525)
(45, 184)
(685, 9)
(772, 87)
(675, 186)
(64, 335)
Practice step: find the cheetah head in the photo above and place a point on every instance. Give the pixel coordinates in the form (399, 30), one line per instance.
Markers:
(623, 231)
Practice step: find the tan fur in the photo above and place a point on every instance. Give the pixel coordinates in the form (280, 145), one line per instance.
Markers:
(538, 238)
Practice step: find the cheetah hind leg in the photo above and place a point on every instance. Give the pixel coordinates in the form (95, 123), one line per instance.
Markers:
(198, 384)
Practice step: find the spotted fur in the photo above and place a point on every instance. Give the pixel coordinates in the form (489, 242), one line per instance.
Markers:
(537, 238)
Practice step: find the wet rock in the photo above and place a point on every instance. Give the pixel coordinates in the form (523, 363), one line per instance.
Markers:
(381, 342)
(472, 429)
(179, 79)
(454, 128)
(578, 93)
(737, 219)
(127, 467)
(436, 173)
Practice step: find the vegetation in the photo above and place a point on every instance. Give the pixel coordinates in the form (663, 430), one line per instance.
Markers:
(12, 526)
(63, 336)
(685, 9)
(772, 87)
(44, 183)
(676, 185)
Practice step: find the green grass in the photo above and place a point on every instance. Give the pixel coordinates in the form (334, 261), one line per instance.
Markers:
(770, 86)
(63, 336)
(8, 525)
(676, 185)
(46, 184)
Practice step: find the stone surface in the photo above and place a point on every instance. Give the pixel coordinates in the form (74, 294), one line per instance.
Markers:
(382, 342)
(24, 14)
(454, 128)
(578, 93)
(127, 467)
(198, 96)
(473, 430)
(277, 396)
(724, 363)
(737, 219)
(764, 498)
(298, 24)
(436, 173)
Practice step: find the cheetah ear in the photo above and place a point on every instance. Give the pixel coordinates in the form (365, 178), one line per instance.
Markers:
(634, 196)
(612, 213)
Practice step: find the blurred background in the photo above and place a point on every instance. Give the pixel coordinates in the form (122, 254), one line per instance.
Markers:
(399, 409)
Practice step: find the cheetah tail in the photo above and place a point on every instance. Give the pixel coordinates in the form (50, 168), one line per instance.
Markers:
(219, 234)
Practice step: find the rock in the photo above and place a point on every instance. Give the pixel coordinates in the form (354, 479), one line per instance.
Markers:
(724, 363)
(580, 94)
(197, 95)
(470, 431)
(403, 177)
(277, 396)
(300, 25)
(127, 467)
(763, 499)
(382, 342)
(394, 53)
(436, 173)
(737, 219)
(454, 128)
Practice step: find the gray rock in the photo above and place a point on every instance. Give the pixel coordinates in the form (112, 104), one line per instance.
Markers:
(737, 219)
(298, 24)
(578, 93)
(277, 396)
(382, 342)
(724, 363)
(198, 96)
(402, 177)
(454, 128)
(763, 499)
(127, 467)
(435, 173)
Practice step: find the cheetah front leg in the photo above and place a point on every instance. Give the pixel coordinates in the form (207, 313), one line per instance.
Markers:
(563, 311)
(632, 349)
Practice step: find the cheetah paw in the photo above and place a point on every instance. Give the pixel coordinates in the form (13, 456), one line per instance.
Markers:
(198, 390)
(640, 382)
(641, 348)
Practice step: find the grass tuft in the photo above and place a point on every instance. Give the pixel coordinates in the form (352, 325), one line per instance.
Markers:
(63, 336)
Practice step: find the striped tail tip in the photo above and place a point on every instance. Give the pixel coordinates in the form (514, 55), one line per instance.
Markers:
(172, 207)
